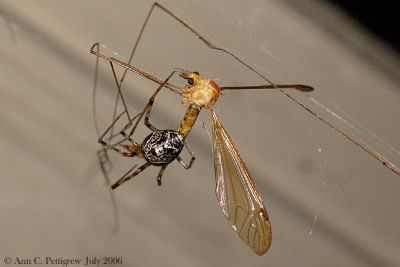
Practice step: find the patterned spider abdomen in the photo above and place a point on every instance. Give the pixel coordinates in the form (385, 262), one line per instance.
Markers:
(162, 147)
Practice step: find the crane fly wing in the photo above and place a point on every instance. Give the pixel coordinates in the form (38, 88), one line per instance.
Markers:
(237, 194)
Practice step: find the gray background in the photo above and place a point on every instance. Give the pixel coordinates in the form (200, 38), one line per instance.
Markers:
(330, 203)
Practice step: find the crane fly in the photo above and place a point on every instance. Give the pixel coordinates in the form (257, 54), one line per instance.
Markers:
(236, 191)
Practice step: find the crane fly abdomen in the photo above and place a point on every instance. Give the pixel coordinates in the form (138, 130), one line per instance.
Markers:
(162, 147)
(189, 120)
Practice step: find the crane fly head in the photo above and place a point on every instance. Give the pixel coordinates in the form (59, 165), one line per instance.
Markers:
(193, 78)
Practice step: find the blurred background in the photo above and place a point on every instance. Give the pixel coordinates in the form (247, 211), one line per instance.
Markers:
(330, 203)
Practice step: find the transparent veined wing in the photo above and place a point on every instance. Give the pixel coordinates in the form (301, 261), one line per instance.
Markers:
(237, 194)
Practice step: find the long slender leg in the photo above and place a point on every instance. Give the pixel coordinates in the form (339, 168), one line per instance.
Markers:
(300, 87)
(185, 165)
(94, 111)
(126, 178)
(160, 174)
(127, 173)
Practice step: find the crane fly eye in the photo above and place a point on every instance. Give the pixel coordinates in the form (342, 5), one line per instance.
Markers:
(195, 72)
(190, 81)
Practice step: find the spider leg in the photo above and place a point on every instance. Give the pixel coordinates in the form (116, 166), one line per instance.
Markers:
(185, 165)
(160, 174)
(127, 177)
(126, 174)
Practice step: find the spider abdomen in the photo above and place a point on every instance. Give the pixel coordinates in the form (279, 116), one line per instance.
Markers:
(162, 147)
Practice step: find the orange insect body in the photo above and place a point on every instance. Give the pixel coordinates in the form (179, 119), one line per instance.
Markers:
(204, 94)
(200, 93)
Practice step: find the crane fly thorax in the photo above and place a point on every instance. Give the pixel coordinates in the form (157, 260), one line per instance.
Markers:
(203, 94)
